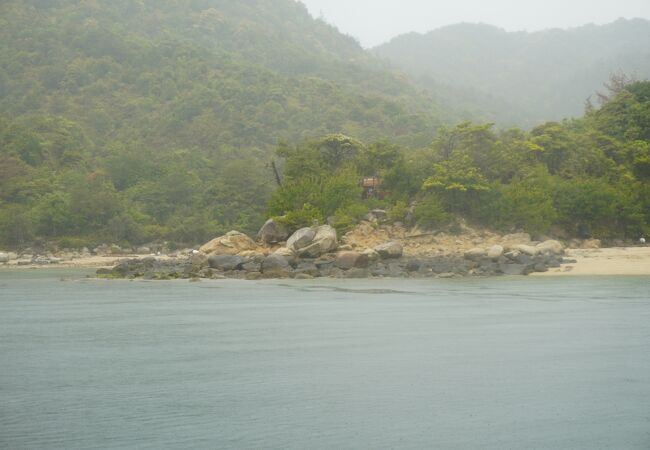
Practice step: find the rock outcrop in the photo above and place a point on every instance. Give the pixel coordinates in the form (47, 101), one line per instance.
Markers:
(301, 239)
(276, 266)
(273, 232)
(312, 253)
(233, 243)
(313, 242)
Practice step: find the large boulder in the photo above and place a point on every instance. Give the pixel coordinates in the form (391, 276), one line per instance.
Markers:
(273, 232)
(301, 239)
(232, 243)
(495, 252)
(349, 260)
(324, 241)
(4, 258)
(276, 266)
(390, 250)
(551, 248)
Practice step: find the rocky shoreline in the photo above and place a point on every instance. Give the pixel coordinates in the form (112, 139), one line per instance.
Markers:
(315, 252)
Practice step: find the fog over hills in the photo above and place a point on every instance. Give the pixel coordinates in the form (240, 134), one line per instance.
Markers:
(519, 77)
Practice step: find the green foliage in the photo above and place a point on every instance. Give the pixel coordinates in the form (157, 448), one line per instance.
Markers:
(429, 213)
(141, 121)
(398, 212)
(156, 120)
(604, 210)
(306, 216)
(345, 218)
(522, 205)
(581, 175)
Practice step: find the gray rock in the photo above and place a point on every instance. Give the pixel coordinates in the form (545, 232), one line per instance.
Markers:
(324, 241)
(350, 260)
(198, 260)
(276, 266)
(390, 250)
(4, 258)
(300, 239)
(252, 266)
(514, 269)
(540, 267)
(307, 268)
(273, 232)
(226, 262)
(413, 266)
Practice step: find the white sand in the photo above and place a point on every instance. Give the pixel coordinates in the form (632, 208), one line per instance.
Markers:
(605, 261)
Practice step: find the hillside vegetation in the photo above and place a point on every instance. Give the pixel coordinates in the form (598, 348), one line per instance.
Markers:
(140, 121)
(148, 120)
(587, 177)
(522, 78)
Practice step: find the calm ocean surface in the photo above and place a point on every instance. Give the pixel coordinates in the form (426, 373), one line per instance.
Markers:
(525, 363)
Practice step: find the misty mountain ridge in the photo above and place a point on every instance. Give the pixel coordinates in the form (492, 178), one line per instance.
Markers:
(522, 78)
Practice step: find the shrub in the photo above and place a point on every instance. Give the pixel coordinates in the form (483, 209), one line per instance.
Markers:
(429, 213)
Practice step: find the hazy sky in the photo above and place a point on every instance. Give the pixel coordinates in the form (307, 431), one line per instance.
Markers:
(373, 22)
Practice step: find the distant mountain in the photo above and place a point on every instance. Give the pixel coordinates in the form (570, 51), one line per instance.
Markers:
(522, 78)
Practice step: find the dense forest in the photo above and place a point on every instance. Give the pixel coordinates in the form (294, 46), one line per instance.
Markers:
(587, 177)
(521, 78)
(151, 120)
(134, 122)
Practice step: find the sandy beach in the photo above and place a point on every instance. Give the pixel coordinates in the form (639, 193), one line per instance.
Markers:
(87, 262)
(604, 261)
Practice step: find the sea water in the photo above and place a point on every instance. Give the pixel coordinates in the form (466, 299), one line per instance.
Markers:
(504, 363)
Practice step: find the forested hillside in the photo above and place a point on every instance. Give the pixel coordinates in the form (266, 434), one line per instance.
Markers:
(587, 177)
(148, 120)
(522, 78)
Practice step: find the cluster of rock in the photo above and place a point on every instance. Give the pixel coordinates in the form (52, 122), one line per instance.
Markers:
(315, 252)
(29, 259)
